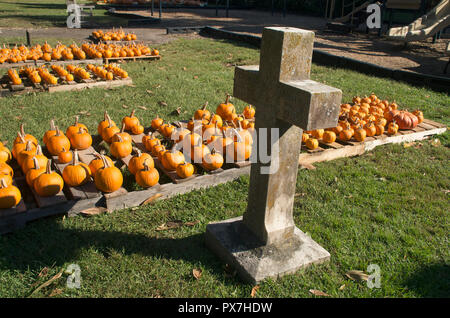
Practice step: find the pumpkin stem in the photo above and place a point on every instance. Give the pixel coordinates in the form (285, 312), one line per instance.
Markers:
(132, 113)
(119, 137)
(3, 183)
(105, 116)
(109, 121)
(22, 130)
(227, 99)
(36, 163)
(52, 124)
(48, 169)
(123, 128)
(76, 120)
(138, 151)
(58, 132)
(22, 139)
(105, 162)
(28, 146)
(146, 167)
(204, 106)
(39, 150)
(236, 133)
(75, 158)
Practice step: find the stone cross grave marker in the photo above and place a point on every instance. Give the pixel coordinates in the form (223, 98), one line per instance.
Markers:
(265, 242)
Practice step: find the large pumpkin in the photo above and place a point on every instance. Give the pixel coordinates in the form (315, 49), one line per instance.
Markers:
(406, 120)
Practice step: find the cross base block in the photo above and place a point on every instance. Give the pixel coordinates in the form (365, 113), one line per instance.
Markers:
(253, 261)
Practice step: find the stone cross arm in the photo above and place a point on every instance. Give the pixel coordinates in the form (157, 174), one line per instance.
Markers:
(281, 83)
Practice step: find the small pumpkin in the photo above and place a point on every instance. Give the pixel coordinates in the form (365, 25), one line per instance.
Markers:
(312, 143)
(104, 123)
(29, 151)
(370, 129)
(49, 133)
(249, 112)
(123, 134)
(28, 162)
(212, 161)
(157, 150)
(25, 136)
(185, 170)
(48, 183)
(5, 169)
(35, 172)
(226, 110)
(109, 131)
(65, 156)
(120, 148)
(75, 128)
(305, 137)
(392, 128)
(346, 134)
(136, 163)
(198, 152)
(97, 163)
(360, 134)
(5, 154)
(108, 178)
(58, 142)
(151, 143)
(9, 195)
(202, 113)
(171, 159)
(137, 130)
(157, 122)
(130, 121)
(80, 140)
(419, 116)
(239, 150)
(148, 176)
(329, 136)
(318, 133)
(77, 173)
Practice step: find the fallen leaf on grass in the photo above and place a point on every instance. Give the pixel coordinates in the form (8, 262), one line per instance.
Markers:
(161, 103)
(151, 199)
(357, 275)
(170, 225)
(299, 195)
(131, 85)
(436, 142)
(94, 211)
(254, 290)
(185, 68)
(197, 273)
(55, 292)
(124, 106)
(195, 77)
(49, 282)
(191, 223)
(142, 107)
(318, 293)
(157, 86)
(177, 111)
(149, 91)
(408, 144)
(342, 287)
(18, 117)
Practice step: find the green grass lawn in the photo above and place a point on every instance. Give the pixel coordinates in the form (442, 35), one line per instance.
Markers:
(388, 207)
(43, 13)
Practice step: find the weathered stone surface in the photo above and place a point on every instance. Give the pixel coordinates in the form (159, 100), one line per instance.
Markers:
(255, 261)
(266, 243)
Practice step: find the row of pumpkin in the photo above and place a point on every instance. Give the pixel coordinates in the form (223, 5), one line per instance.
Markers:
(68, 74)
(365, 117)
(209, 139)
(62, 52)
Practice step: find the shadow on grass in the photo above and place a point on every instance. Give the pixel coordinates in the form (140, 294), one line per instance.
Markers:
(431, 281)
(35, 5)
(33, 247)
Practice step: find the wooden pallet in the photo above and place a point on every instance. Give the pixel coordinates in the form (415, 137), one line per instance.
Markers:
(134, 58)
(42, 62)
(15, 218)
(63, 87)
(340, 149)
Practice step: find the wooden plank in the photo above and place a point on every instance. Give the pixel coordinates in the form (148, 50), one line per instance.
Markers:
(164, 191)
(75, 193)
(426, 126)
(334, 145)
(43, 202)
(406, 132)
(433, 123)
(80, 86)
(134, 58)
